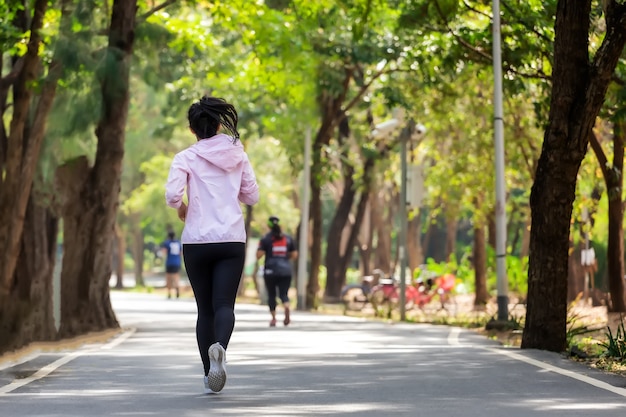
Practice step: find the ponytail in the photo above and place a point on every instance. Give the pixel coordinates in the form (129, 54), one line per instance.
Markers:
(277, 233)
(206, 116)
(273, 224)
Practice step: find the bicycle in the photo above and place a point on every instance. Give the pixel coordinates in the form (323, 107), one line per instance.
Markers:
(356, 296)
(418, 293)
(440, 287)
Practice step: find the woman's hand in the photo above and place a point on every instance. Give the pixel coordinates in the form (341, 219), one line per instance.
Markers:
(182, 211)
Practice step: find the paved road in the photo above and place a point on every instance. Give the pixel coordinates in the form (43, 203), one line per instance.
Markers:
(318, 366)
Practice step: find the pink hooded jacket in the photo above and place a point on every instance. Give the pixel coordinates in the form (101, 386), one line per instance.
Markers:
(217, 175)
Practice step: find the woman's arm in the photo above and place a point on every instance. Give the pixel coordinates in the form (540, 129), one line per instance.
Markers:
(249, 190)
(176, 183)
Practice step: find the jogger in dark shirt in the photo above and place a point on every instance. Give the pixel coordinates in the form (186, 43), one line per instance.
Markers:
(278, 249)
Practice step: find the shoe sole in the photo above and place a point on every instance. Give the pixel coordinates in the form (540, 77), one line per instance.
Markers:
(208, 390)
(217, 371)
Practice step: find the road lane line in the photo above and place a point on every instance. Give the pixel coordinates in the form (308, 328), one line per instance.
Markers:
(120, 339)
(48, 369)
(453, 336)
(583, 378)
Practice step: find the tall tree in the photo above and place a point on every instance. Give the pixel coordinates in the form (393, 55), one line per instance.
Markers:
(357, 187)
(27, 227)
(20, 150)
(92, 198)
(614, 182)
(580, 80)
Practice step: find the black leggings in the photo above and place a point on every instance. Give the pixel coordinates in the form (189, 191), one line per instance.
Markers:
(214, 271)
(282, 283)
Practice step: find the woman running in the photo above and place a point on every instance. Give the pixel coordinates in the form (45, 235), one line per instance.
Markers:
(217, 175)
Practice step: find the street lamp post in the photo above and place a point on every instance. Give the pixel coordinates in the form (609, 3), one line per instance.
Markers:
(502, 280)
(405, 136)
(411, 132)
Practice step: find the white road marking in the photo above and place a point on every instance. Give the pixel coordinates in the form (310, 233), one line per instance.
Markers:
(48, 369)
(120, 339)
(583, 378)
(453, 336)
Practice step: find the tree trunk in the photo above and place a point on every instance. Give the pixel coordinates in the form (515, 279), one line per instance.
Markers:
(575, 275)
(428, 237)
(138, 249)
(382, 226)
(414, 242)
(89, 221)
(615, 257)
(26, 315)
(578, 92)
(365, 242)
(339, 266)
(525, 246)
(338, 248)
(480, 268)
(392, 230)
(492, 229)
(613, 179)
(452, 226)
(313, 285)
(22, 147)
(351, 242)
(27, 231)
(330, 107)
(119, 253)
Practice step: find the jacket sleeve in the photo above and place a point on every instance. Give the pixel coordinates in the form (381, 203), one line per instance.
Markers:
(176, 183)
(249, 190)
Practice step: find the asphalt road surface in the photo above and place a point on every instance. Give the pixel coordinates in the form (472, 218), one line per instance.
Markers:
(317, 366)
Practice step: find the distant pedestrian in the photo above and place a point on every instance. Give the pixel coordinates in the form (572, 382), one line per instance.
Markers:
(217, 175)
(173, 253)
(278, 249)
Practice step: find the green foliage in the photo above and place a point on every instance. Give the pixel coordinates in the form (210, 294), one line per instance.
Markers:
(616, 344)
(353, 276)
(11, 37)
(573, 327)
(277, 187)
(517, 271)
(149, 195)
(418, 14)
(517, 274)
(463, 270)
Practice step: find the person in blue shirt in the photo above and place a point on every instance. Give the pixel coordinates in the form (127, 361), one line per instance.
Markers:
(173, 254)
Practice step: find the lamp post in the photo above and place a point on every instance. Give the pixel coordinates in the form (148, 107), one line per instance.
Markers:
(410, 132)
(405, 136)
(498, 132)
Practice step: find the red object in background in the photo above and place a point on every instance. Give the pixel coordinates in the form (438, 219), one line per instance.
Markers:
(446, 282)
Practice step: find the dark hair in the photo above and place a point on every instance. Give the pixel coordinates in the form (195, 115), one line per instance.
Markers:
(272, 222)
(206, 115)
(171, 235)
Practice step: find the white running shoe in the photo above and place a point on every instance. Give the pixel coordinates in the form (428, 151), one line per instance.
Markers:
(207, 389)
(217, 370)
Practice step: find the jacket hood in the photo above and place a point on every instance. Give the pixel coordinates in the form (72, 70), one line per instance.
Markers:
(220, 151)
